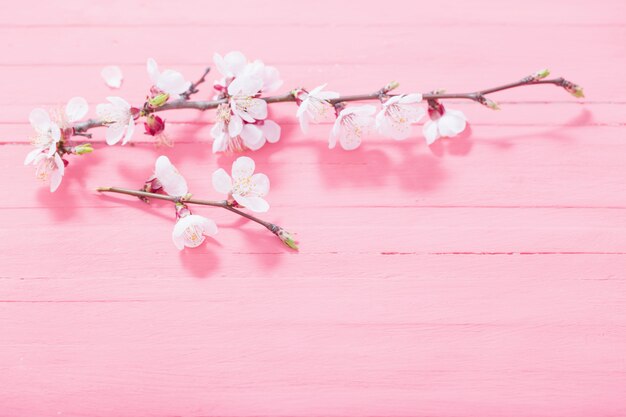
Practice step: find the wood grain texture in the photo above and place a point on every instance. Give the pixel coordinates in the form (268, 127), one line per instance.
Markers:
(482, 276)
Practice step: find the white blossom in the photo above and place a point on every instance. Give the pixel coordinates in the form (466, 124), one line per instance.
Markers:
(350, 126)
(446, 123)
(169, 81)
(397, 115)
(315, 106)
(171, 180)
(117, 116)
(245, 187)
(191, 230)
(47, 167)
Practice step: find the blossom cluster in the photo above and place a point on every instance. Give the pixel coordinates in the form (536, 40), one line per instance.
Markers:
(243, 188)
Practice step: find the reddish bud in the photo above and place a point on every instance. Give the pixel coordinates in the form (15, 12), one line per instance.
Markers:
(154, 125)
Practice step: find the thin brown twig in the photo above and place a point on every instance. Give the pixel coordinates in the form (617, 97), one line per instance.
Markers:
(275, 229)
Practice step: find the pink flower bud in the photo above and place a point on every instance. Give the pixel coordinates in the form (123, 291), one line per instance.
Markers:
(154, 125)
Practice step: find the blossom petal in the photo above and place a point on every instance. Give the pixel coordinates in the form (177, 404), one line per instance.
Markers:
(271, 79)
(173, 82)
(256, 204)
(252, 136)
(114, 133)
(430, 131)
(243, 167)
(76, 109)
(112, 76)
(234, 126)
(250, 109)
(235, 62)
(260, 185)
(39, 119)
(209, 228)
(172, 181)
(30, 157)
(452, 123)
(271, 131)
(118, 102)
(222, 181)
(153, 70)
(130, 129)
(411, 98)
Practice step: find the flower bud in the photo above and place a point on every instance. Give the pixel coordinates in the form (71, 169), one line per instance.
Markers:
(154, 125)
(490, 103)
(541, 74)
(576, 91)
(83, 148)
(391, 86)
(287, 238)
(158, 100)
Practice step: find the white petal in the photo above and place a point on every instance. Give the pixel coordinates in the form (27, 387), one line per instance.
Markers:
(153, 70)
(130, 129)
(317, 89)
(56, 177)
(260, 185)
(271, 131)
(327, 95)
(172, 181)
(114, 133)
(179, 240)
(411, 98)
(243, 167)
(452, 123)
(252, 136)
(271, 79)
(30, 157)
(256, 204)
(59, 163)
(250, 109)
(222, 182)
(349, 142)
(235, 62)
(430, 131)
(304, 121)
(39, 119)
(112, 76)
(209, 228)
(245, 85)
(234, 126)
(118, 102)
(76, 109)
(173, 82)
(218, 60)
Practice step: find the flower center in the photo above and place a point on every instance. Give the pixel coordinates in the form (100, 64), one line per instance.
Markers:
(242, 186)
(193, 236)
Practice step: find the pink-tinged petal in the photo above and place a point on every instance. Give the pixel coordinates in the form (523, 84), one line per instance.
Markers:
(55, 132)
(260, 185)
(430, 131)
(172, 181)
(153, 70)
(235, 126)
(411, 98)
(114, 133)
(256, 204)
(76, 109)
(271, 131)
(39, 119)
(243, 167)
(218, 60)
(304, 120)
(179, 241)
(222, 181)
(366, 110)
(30, 157)
(332, 139)
(252, 136)
(392, 100)
(112, 76)
(173, 82)
(130, 129)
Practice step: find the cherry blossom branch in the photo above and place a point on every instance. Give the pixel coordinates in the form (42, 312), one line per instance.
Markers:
(193, 88)
(283, 235)
(383, 93)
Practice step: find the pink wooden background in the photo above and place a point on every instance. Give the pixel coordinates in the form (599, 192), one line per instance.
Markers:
(483, 276)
